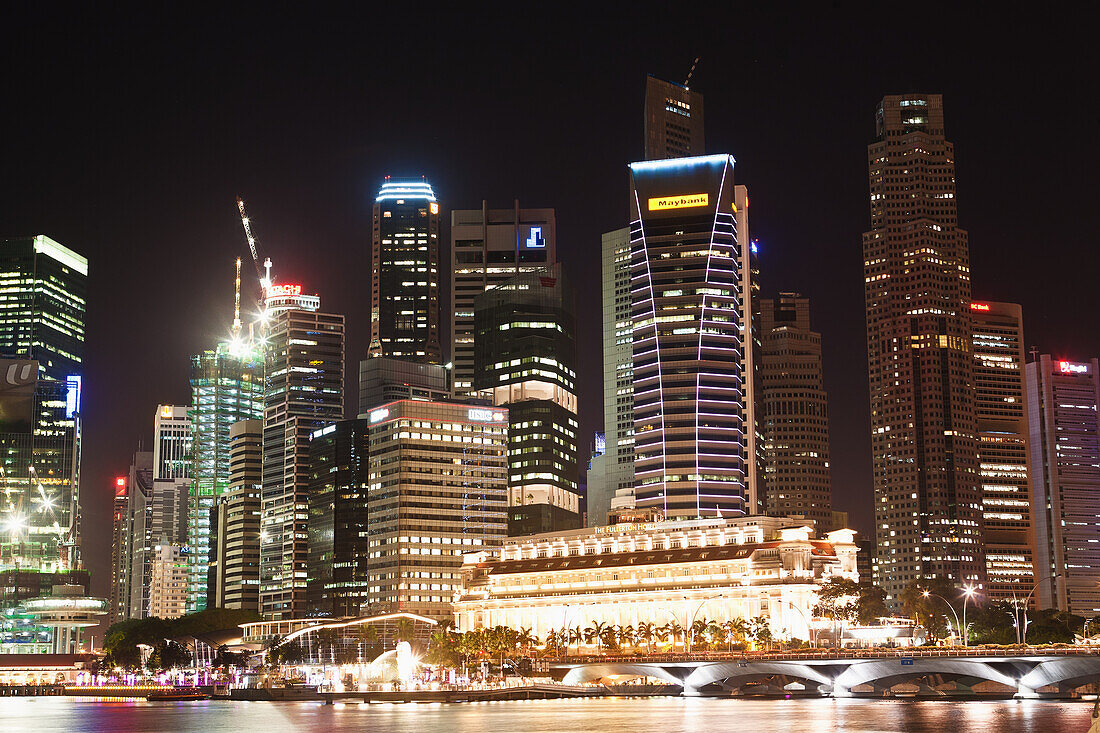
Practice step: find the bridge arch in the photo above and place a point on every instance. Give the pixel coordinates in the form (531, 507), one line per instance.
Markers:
(740, 672)
(582, 674)
(1065, 671)
(891, 671)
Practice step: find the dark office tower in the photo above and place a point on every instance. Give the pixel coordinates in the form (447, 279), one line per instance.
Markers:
(304, 392)
(673, 120)
(751, 353)
(237, 551)
(43, 286)
(1002, 447)
(404, 320)
(795, 412)
(525, 359)
(339, 460)
(916, 261)
(1063, 398)
(687, 339)
(383, 380)
(489, 246)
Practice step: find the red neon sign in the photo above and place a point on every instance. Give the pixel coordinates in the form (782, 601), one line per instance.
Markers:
(120, 486)
(979, 306)
(282, 291)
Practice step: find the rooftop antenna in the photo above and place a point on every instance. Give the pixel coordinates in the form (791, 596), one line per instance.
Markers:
(687, 81)
(237, 304)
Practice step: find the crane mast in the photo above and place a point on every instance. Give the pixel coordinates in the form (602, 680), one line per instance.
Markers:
(253, 246)
(237, 304)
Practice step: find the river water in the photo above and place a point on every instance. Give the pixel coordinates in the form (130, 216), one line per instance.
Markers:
(608, 715)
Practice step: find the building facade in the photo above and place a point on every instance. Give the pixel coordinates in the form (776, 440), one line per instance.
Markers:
(304, 392)
(168, 586)
(655, 573)
(339, 460)
(237, 557)
(916, 261)
(673, 120)
(525, 359)
(225, 388)
(614, 470)
(438, 488)
(404, 320)
(1063, 398)
(383, 380)
(687, 339)
(1001, 409)
(795, 412)
(751, 354)
(488, 247)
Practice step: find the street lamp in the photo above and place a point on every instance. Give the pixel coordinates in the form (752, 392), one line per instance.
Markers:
(968, 593)
(927, 594)
(809, 622)
(1028, 600)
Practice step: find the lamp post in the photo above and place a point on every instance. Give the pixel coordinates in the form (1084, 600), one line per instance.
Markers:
(927, 594)
(968, 593)
(809, 622)
(1028, 600)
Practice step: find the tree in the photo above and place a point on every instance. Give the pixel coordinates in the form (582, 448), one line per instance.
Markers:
(838, 600)
(406, 630)
(595, 632)
(168, 655)
(736, 630)
(871, 604)
(760, 630)
(225, 659)
(698, 628)
(368, 641)
(928, 610)
(646, 632)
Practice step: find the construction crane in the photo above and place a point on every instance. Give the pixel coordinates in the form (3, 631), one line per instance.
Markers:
(237, 304)
(264, 273)
(687, 82)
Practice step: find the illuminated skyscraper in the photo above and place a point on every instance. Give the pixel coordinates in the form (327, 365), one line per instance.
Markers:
(525, 359)
(687, 339)
(1063, 400)
(916, 261)
(225, 389)
(236, 562)
(795, 412)
(673, 120)
(489, 246)
(1002, 447)
(404, 319)
(304, 392)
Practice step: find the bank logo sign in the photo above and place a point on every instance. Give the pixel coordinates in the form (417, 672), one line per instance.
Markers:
(686, 201)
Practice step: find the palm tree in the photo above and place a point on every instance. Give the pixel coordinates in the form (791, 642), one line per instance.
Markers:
(675, 631)
(761, 631)
(627, 635)
(576, 635)
(596, 631)
(368, 635)
(552, 641)
(327, 638)
(734, 629)
(406, 630)
(698, 628)
(526, 640)
(646, 632)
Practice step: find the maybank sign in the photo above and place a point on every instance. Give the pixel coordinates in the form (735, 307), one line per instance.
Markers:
(686, 201)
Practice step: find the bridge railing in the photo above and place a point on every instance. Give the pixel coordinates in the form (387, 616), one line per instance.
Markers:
(823, 654)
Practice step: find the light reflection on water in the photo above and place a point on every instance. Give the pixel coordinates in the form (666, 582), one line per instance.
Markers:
(608, 715)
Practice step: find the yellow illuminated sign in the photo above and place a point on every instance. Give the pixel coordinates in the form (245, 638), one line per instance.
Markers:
(687, 201)
(435, 208)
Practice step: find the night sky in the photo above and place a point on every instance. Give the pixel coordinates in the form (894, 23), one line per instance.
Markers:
(126, 136)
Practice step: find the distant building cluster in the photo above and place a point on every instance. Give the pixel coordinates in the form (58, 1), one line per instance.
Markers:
(456, 489)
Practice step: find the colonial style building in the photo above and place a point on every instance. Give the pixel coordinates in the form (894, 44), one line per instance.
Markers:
(657, 573)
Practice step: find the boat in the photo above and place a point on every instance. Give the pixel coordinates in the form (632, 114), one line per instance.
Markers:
(177, 694)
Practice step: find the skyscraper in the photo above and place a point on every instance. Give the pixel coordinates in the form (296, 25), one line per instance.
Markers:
(43, 286)
(1002, 447)
(795, 412)
(687, 339)
(751, 335)
(1063, 400)
(525, 358)
(614, 470)
(449, 462)
(404, 319)
(489, 246)
(304, 392)
(225, 388)
(237, 556)
(916, 261)
(339, 460)
(673, 120)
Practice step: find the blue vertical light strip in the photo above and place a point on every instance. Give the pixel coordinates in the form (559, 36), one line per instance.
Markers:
(72, 396)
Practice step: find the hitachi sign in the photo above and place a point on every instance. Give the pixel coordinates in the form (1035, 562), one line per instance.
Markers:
(1068, 367)
(686, 201)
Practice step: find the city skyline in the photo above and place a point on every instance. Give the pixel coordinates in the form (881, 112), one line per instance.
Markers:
(788, 263)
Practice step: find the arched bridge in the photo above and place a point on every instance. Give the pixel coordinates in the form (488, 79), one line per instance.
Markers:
(837, 673)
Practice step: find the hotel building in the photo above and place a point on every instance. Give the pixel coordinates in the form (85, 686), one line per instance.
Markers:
(656, 573)
(685, 283)
(1062, 402)
(1002, 447)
